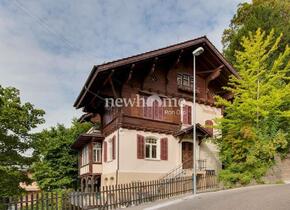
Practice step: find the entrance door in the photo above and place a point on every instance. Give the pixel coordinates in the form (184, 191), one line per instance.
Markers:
(187, 155)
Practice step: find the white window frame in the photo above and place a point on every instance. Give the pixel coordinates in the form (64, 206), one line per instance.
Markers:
(97, 152)
(85, 155)
(150, 144)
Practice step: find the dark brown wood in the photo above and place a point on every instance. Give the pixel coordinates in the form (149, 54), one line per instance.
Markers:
(113, 88)
(26, 202)
(108, 78)
(37, 201)
(21, 202)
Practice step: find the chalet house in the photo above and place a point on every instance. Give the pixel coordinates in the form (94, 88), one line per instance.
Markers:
(138, 143)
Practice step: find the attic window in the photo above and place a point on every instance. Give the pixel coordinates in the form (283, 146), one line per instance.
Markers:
(184, 81)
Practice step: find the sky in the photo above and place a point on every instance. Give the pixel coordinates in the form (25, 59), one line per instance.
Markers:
(48, 47)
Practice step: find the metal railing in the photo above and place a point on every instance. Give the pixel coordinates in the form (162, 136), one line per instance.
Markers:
(179, 171)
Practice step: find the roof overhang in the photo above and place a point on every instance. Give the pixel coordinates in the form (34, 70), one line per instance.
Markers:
(145, 56)
(201, 131)
(84, 139)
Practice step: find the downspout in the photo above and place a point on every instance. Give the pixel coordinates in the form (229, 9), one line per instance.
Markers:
(118, 150)
(118, 157)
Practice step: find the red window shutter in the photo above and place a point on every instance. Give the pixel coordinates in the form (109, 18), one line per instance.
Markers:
(150, 112)
(164, 149)
(114, 147)
(105, 151)
(209, 127)
(144, 111)
(185, 114)
(147, 110)
(160, 108)
(140, 147)
(189, 114)
(155, 108)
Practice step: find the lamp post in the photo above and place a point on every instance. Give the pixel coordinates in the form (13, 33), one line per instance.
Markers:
(195, 53)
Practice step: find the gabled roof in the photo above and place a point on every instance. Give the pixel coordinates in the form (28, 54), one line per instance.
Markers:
(149, 55)
(189, 130)
(84, 139)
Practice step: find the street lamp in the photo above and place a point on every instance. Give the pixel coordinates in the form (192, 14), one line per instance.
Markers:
(195, 53)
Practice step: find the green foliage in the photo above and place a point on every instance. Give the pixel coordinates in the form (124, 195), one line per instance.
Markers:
(16, 122)
(56, 167)
(264, 14)
(256, 123)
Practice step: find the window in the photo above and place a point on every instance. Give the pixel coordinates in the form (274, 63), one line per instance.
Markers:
(110, 150)
(85, 156)
(97, 152)
(209, 127)
(151, 148)
(185, 81)
(186, 111)
(155, 111)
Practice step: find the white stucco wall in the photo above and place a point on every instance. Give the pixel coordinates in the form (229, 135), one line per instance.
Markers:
(84, 169)
(131, 168)
(97, 168)
(203, 113)
(209, 152)
(128, 153)
(110, 166)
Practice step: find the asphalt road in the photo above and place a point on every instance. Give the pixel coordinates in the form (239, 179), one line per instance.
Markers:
(263, 197)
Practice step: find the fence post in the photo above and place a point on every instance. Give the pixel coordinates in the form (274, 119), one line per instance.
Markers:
(37, 200)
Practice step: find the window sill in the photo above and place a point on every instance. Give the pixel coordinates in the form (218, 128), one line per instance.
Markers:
(153, 159)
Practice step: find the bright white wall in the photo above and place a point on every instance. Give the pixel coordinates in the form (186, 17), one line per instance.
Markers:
(97, 168)
(110, 166)
(203, 113)
(84, 169)
(209, 151)
(128, 153)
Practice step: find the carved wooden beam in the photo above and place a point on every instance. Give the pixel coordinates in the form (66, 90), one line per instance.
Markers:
(178, 58)
(173, 66)
(104, 83)
(151, 72)
(108, 78)
(215, 73)
(113, 88)
(130, 73)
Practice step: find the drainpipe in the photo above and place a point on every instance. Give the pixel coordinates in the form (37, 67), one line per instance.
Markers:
(118, 153)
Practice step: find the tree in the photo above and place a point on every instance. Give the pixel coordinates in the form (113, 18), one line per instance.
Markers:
(56, 167)
(16, 122)
(256, 124)
(264, 14)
